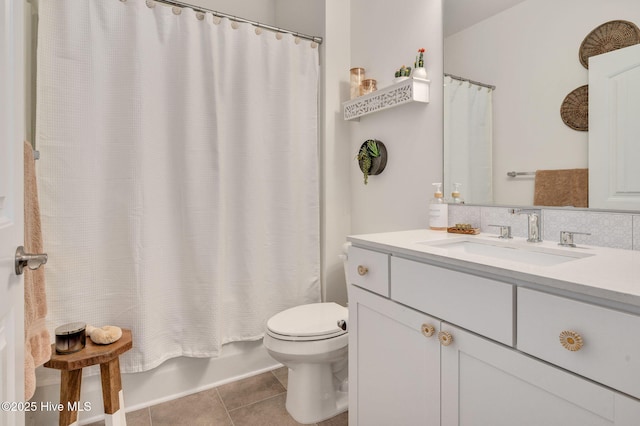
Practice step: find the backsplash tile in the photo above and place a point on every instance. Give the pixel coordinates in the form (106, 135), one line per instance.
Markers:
(607, 229)
(464, 214)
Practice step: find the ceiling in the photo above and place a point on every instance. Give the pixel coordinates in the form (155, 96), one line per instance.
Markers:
(461, 14)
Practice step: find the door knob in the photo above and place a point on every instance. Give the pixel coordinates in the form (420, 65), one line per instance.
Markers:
(31, 261)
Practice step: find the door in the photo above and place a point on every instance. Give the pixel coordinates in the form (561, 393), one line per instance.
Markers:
(394, 363)
(485, 383)
(11, 208)
(614, 108)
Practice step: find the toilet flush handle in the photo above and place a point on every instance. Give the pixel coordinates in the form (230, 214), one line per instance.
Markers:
(342, 324)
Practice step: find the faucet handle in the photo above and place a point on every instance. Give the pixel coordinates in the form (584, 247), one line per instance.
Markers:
(505, 231)
(524, 211)
(566, 238)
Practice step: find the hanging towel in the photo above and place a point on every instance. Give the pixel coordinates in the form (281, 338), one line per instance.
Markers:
(568, 187)
(37, 347)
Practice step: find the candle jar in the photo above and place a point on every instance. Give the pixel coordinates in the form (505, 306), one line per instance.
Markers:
(70, 338)
(369, 85)
(357, 76)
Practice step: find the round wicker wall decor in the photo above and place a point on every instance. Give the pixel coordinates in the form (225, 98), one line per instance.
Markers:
(575, 109)
(609, 36)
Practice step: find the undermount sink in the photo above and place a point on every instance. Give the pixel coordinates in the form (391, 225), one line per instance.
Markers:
(540, 256)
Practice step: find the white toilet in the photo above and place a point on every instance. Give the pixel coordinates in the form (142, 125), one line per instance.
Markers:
(311, 340)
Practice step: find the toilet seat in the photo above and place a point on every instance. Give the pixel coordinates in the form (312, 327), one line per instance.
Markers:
(315, 321)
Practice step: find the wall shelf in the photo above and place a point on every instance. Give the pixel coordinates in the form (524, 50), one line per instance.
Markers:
(410, 90)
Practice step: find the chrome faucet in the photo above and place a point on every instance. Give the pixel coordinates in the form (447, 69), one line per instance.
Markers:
(566, 238)
(534, 219)
(505, 231)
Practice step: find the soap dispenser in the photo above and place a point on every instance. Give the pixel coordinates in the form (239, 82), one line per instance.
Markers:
(438, 211)
(455, 194)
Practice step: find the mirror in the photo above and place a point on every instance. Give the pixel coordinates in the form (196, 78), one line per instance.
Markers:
(529, 50)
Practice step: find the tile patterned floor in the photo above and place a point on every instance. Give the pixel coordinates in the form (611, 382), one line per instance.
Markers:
(254, 401)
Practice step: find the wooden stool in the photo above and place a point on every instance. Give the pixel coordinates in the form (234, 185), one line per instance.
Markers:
(71, 366)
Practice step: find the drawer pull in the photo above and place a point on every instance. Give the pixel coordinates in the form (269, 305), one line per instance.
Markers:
(362, 270)
(428, 330)
(445, 338)
(571, 340)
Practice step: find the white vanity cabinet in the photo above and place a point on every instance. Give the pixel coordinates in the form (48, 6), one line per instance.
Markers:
(394, 363)
(485, 383)
(401, 373)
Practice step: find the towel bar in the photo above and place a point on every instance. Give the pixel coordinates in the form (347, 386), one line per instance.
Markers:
(514, 174)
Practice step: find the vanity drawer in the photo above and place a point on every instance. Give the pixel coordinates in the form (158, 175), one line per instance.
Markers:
(478, 304)
(610, 352)
(369, 270)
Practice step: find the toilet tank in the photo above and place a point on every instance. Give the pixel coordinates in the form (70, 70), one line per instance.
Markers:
(345, 261)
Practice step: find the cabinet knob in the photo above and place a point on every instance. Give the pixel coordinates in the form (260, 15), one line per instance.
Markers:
(570, 340)
(428, 330)
(362, 270)
(445, 338)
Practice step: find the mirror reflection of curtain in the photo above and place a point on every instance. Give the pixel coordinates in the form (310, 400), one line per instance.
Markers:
(468, 134)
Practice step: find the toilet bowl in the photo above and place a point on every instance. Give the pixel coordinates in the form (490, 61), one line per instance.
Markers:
(312, 341)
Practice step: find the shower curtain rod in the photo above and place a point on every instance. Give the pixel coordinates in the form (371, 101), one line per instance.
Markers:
(315, 39)
(477, 83)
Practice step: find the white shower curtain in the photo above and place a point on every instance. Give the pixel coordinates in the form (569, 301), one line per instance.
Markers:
(468, 135)
(178, 174)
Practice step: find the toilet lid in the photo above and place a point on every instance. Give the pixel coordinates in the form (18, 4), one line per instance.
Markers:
(309, 322)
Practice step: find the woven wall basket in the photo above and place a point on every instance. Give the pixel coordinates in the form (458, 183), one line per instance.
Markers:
(575, 109)
(609, 36)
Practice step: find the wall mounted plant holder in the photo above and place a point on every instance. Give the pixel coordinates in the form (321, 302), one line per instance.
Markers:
(372, 158)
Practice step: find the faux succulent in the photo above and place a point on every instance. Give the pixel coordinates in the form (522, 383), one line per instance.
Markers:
(368, 151)
(403, 72)
(419, 63)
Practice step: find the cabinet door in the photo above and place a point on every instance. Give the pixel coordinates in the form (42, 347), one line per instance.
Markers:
(394, 369)
(485, 383)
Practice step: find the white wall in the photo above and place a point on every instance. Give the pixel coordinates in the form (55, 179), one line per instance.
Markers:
(384, 36)
(530, 52)
(305, 16)
(253, 10)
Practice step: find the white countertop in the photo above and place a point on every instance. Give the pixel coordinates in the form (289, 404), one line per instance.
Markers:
(608, 274)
